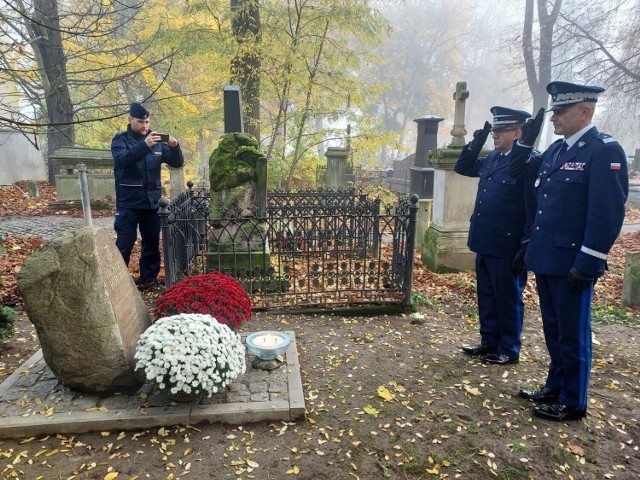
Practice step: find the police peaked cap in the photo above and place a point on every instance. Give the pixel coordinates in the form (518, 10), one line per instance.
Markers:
(564, 94)
(136, 110)
(504, 117)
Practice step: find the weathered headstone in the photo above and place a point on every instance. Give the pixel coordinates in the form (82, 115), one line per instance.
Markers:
(631, 283)
(88, 314)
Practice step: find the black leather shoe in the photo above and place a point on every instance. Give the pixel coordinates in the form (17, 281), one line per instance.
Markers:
(544, 395)
(151, 285)
(558, 412)
(500, 359)
(477, 350)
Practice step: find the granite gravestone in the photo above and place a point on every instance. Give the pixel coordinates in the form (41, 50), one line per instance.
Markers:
(87, 311)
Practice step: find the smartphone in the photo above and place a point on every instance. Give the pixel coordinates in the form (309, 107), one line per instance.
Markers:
(164, 137)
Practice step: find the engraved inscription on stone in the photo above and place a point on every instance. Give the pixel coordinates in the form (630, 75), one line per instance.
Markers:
(128, 307)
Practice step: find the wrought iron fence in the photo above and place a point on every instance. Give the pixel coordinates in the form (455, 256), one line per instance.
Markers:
(318, 248)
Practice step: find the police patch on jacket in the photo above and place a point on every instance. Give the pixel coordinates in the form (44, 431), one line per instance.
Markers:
(576, 166)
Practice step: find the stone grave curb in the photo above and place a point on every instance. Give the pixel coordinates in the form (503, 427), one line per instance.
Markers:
(78, 421)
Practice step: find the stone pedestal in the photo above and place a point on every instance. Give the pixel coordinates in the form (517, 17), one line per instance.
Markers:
(444, 246)
(336, 167)
(631, 284)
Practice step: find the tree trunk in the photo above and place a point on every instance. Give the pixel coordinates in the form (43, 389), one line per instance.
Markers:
(539, 75)
(48, 41)
(245, 67)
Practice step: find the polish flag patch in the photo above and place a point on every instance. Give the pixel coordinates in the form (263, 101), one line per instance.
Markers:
(615, 166)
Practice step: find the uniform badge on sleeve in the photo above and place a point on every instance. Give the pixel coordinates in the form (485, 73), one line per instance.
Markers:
(615, 165)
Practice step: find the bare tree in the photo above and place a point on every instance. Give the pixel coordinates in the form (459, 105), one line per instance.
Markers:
(539, 67)
(50, 87)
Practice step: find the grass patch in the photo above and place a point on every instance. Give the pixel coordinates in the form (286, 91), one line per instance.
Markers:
(609, 314)
(512, 473)
(421, 299)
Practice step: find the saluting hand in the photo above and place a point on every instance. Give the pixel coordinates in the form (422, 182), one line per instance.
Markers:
(480, 137)
(531, 129)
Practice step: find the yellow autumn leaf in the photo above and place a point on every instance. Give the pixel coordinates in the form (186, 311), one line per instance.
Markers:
(293, 471)
(386, 394)
(472, 390)
(371, 411)
(110, 475)
(578, 450)
(253, 464)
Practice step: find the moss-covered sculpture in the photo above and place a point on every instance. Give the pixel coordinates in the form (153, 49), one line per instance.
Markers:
(233, 162)
(233, 181)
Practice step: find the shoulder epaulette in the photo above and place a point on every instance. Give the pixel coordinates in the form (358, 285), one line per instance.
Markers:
(605, 137)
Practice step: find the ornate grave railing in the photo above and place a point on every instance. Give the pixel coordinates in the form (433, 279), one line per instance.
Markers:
(318, 248)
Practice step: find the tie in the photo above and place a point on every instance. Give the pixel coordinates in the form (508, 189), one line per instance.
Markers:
(561, 150)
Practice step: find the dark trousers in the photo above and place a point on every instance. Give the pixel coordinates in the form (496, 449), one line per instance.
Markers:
(500, 305)
(126, 225)
(566, 319)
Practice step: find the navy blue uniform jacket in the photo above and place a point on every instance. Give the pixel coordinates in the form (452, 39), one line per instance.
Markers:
(498, 219)
(580, 206)
(137, 170)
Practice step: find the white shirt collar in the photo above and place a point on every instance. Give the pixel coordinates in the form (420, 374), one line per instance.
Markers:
(576, 136)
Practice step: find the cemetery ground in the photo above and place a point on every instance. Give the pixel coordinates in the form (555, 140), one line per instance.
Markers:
(389, 396)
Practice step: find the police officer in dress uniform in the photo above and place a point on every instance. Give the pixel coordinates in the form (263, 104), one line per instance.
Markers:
(581, 187)
(138, 155)
(496, 230)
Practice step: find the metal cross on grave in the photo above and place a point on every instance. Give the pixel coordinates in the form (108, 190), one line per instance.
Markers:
(458, 131)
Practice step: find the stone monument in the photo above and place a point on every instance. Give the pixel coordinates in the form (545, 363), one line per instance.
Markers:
(444, 247)
(86, 309)
(238, 183)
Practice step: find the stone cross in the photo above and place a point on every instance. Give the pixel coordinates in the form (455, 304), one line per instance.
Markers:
(458, 132)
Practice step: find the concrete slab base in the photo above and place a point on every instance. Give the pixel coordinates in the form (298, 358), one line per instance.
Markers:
(33, 402)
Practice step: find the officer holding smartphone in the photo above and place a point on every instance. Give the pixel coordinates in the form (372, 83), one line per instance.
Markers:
(138, 153)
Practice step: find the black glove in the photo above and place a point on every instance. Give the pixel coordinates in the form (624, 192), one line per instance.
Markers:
(531, 129)
(480, 137)
(517, 265)
(578, 281)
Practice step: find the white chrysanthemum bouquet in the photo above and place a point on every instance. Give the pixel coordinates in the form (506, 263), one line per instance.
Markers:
(191, 354)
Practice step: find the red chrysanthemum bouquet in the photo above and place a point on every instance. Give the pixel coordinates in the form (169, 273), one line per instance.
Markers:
(215, 294)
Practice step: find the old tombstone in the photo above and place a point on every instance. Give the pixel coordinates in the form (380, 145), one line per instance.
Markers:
(86, 309)
(631, 283)
(32, 188)
(444, 247)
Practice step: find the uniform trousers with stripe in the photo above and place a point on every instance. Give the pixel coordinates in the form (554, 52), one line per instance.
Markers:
(500, 305)
(566, 320)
